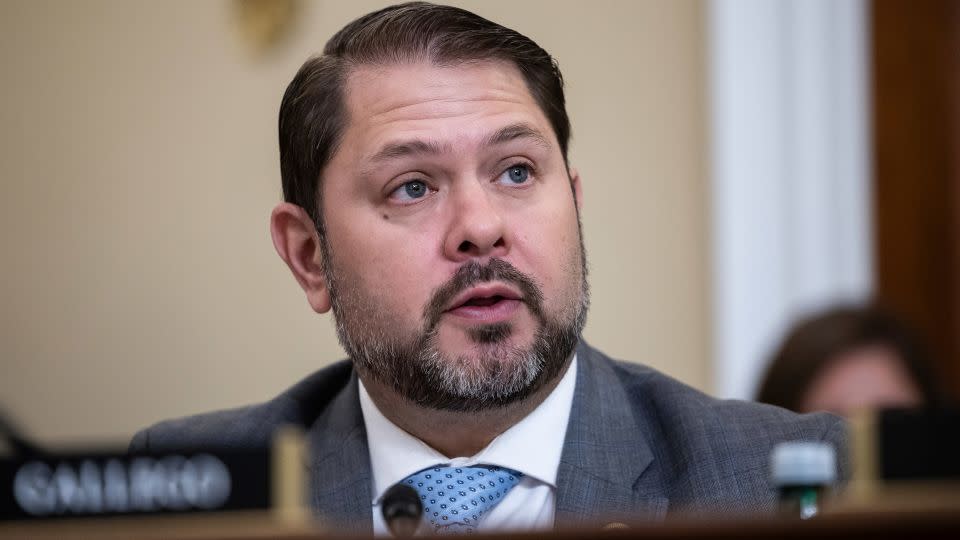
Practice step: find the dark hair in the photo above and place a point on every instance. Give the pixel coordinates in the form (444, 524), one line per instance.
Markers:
(312, 113)
(817, 341)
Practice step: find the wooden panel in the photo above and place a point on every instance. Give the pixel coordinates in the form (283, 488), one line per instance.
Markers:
(916, 65)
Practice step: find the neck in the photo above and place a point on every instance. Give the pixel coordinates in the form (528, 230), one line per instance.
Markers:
(455, 433)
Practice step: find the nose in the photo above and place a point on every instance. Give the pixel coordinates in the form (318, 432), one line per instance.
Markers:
(477, 226)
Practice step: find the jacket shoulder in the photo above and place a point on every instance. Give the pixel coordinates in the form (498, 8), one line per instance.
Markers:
(715, 449)
(681, 403)
(251, 426)
(738, 420)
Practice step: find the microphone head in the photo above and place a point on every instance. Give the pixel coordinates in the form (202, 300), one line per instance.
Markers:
(402, 510)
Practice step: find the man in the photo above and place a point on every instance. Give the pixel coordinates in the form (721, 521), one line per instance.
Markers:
(430, 205)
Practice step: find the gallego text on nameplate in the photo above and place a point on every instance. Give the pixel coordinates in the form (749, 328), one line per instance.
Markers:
(102, 484)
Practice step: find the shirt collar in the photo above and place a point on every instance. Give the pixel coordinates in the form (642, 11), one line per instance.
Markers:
(531, 446)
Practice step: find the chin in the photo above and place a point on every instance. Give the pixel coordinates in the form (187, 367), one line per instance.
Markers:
(485, 338)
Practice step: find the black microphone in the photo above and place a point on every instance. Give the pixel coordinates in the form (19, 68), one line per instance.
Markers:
(402, 510)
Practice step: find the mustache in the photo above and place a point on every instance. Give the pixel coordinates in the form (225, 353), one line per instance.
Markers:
(473, 273)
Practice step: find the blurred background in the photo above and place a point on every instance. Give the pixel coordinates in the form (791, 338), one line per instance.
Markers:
(746, 164)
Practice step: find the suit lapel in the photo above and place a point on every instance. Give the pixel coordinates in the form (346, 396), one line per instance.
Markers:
(340, 464)
(607, 471)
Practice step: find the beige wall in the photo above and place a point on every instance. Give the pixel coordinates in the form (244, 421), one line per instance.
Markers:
(138, 166)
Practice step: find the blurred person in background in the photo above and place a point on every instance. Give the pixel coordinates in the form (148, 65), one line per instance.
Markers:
(848, 358)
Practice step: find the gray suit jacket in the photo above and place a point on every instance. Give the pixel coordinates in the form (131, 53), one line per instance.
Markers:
(638, 443)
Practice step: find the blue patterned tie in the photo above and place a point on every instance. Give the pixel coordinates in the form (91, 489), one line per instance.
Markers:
(455, 498)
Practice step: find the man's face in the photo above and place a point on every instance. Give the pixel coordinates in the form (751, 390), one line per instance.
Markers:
(452, 250)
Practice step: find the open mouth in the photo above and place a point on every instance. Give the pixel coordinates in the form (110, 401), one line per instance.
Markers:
(488, 303)
(485, 301)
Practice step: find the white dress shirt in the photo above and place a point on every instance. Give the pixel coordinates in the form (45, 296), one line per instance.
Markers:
(532, 446)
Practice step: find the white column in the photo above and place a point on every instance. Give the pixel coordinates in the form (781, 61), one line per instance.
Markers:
(790, 172)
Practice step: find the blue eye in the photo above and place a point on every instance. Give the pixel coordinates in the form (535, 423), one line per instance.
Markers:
(516, 174)
(412, 190)
(415, 189)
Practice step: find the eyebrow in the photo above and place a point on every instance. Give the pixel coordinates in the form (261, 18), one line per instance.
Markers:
(421, 147)
(518, 131)
(407, 148)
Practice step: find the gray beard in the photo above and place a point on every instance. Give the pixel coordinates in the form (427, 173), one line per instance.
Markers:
(416, 369)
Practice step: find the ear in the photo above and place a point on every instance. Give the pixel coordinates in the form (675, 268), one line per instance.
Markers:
(298, 244)
(576, 186)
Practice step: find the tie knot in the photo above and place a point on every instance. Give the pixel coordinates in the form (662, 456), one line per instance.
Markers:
(456, 498)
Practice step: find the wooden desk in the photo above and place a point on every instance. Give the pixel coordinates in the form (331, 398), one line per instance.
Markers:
(889, 524)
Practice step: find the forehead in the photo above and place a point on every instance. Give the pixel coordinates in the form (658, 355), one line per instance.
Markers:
(455, 105)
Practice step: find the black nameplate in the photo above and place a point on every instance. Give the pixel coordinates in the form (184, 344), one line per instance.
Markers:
(107, 484)
(919, 444)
